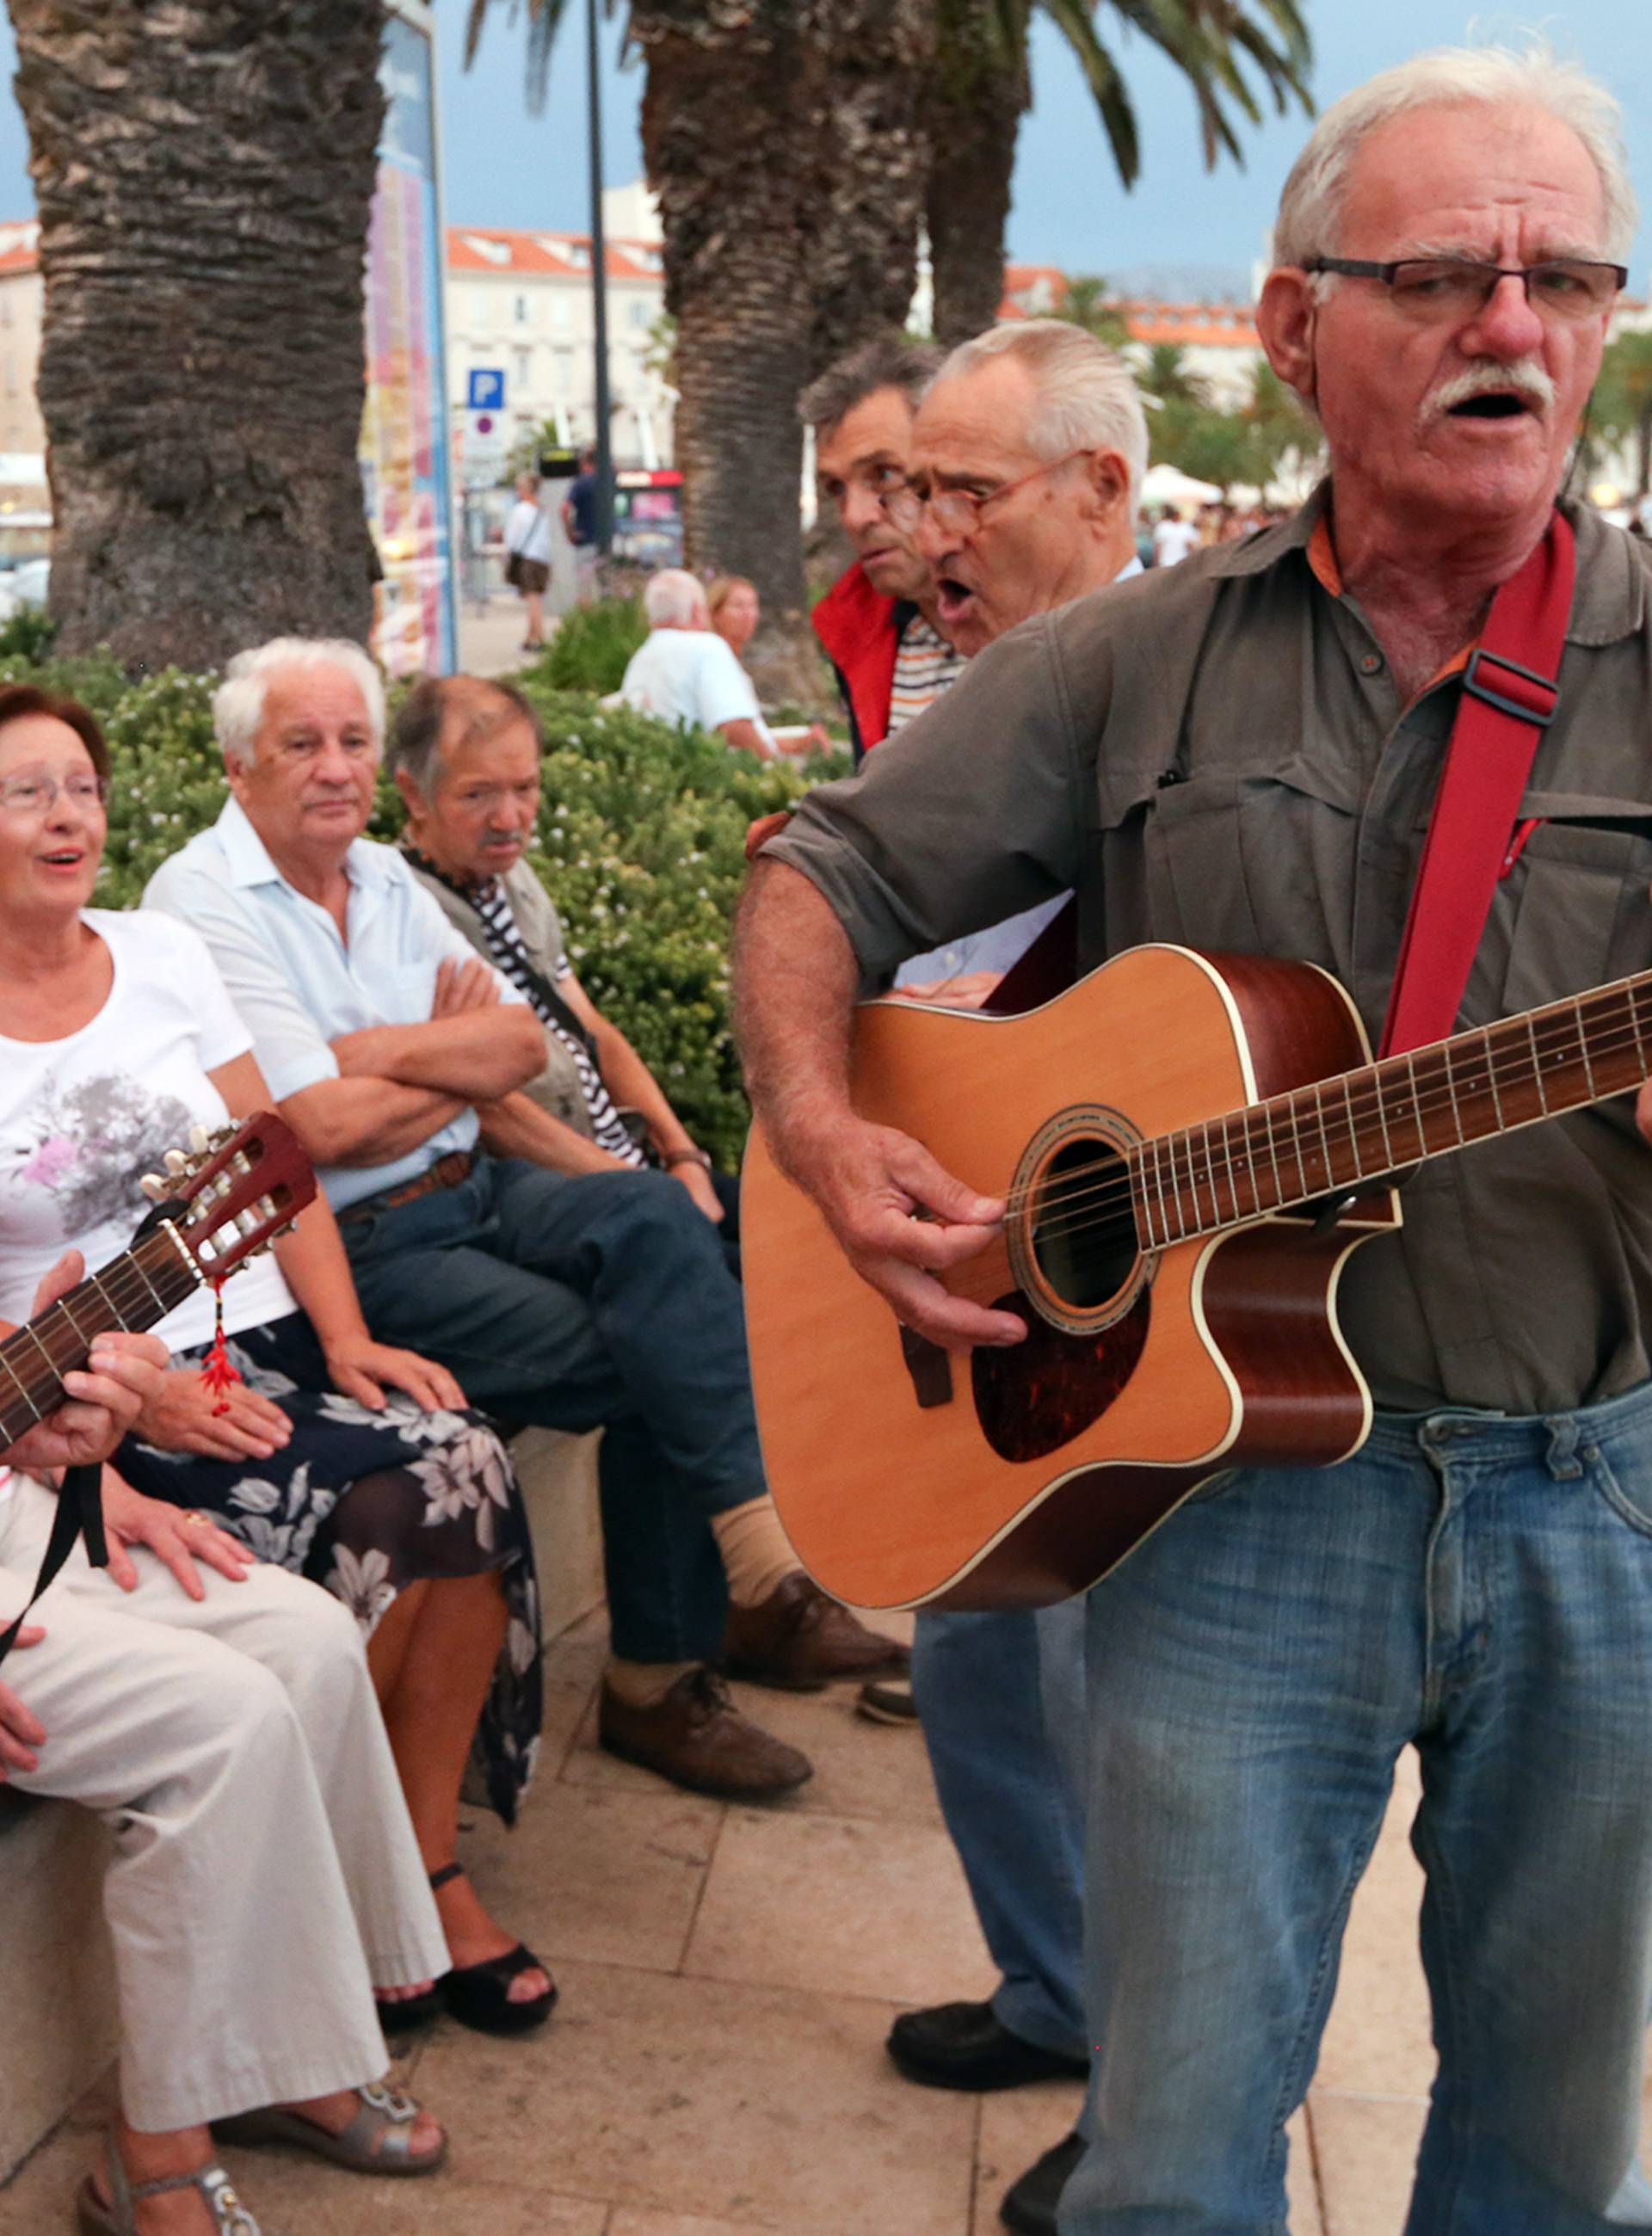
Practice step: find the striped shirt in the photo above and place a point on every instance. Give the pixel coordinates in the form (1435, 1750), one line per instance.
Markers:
(924, 665)
(509, 954)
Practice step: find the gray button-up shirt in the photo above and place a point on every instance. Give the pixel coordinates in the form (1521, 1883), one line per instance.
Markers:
(1217, 755)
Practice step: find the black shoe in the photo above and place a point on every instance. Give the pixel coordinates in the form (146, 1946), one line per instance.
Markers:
(966, 2045)
(887, 1700)
(1030, 2205)
(479, 1995)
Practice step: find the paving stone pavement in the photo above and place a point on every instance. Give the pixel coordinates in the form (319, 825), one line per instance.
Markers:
(727, 1975)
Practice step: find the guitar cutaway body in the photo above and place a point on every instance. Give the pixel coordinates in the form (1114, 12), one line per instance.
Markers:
(1016, 1477)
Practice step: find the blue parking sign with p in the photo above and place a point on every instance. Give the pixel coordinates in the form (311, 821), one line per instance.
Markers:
(486, 389)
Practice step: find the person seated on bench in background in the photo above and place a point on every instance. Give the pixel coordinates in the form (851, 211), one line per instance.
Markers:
(466, 755)
(683, 672)
(220, 1720)
(117, 1036)
(560, 1296)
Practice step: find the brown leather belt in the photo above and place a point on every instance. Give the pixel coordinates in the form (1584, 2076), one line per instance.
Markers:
(447, 1172)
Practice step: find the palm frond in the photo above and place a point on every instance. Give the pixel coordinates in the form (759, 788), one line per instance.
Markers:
(1285, 76)
(544, 21)
(1207, 40)
(1076, 21)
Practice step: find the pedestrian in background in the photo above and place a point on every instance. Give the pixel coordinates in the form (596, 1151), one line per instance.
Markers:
(579, 520)
(527, 567)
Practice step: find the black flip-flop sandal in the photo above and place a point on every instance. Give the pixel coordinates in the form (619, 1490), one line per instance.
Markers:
(478, 1995)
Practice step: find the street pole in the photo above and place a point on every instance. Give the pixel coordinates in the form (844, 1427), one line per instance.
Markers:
(599, 294)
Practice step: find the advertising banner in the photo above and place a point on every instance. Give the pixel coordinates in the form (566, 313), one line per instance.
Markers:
(404, 448)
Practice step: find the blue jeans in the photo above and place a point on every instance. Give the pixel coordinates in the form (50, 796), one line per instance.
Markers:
(1001, 1701)
(1483, 1586)
(600, 1300)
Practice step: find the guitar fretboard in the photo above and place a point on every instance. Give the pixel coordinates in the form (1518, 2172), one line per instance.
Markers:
(132, 1292)
(1329, 1138)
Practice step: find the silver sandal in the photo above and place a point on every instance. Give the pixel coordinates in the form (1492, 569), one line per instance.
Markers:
(117, 2217)
(379, 2140)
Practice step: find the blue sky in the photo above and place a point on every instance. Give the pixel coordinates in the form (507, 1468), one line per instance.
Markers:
(505, 168)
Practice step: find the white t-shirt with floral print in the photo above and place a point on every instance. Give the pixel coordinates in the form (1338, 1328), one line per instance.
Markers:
(82, 1119)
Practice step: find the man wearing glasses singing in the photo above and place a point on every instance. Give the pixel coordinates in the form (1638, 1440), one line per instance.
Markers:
(1243, 753)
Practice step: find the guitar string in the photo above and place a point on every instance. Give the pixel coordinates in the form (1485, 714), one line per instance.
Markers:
(1233, 1162)
(1371, 1094)
(1437, 1088)
(121, 1288)
(1230, 1159)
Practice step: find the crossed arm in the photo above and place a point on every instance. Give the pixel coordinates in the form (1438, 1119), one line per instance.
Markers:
(399, 1084)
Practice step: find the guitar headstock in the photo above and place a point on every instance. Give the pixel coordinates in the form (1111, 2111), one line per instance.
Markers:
(241, 1188)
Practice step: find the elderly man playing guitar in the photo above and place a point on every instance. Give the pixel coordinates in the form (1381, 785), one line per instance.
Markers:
(1340, 741)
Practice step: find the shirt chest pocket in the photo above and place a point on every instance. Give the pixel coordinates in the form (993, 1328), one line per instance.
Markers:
(1575, 910)
(1246, 858)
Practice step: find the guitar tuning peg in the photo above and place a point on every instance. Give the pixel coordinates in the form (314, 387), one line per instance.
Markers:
(199, 1139)
(176, 1161)
(155, 1188)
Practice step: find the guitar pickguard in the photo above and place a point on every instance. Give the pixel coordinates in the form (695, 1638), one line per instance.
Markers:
(1032, 1399)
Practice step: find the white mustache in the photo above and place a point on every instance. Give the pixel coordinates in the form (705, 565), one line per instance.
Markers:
(1486, 377)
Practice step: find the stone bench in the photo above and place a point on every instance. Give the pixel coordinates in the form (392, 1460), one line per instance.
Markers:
(54, 1960)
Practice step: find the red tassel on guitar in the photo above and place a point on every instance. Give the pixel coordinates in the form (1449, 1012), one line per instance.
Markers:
(219, 1373)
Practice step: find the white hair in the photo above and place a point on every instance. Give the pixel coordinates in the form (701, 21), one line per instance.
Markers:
(673, 598)
(238, 703)
(1088, 398)
(1310, 212)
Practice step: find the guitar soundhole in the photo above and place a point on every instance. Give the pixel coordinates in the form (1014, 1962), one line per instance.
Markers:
(1082, 1230)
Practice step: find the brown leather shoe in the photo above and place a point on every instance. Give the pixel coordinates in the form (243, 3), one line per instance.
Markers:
(801, 1640)
(696, 1737)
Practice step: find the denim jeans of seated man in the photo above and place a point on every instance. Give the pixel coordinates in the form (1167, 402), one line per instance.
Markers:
(1001, 1699)
(1482, 1586)
(600, 1300)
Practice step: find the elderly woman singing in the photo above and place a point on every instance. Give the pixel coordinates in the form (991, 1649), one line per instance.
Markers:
(344, 1460)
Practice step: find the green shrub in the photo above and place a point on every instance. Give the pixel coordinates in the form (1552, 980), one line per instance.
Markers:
(28, 634)
(641, 841)
(642, 844)
(592, 645)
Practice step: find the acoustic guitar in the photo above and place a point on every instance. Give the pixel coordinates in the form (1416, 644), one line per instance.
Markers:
(226, 1196)
(1173, 1239)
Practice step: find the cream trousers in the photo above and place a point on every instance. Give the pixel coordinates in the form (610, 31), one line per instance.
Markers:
(265, 1873)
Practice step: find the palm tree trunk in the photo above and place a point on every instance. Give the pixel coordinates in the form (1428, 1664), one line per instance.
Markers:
(979, 94)
(204, 175)
(873, 161)
(725, 114)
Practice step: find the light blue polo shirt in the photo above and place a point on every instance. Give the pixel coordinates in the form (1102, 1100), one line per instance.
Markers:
(297, 985)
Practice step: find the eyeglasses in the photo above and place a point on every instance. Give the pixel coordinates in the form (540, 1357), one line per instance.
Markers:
(1437, 290)
(38, 795)
(959, 511)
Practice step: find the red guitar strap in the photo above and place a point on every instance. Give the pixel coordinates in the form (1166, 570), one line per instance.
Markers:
(1511, 692)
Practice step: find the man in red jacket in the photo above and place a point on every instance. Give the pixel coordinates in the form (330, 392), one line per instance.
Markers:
(876, 624)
